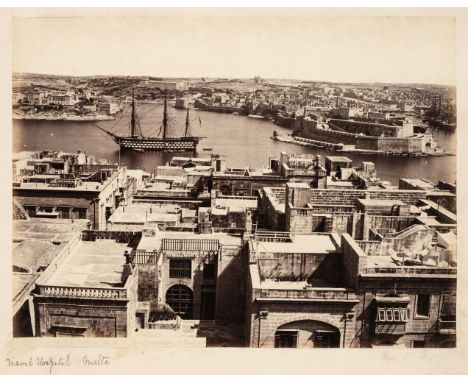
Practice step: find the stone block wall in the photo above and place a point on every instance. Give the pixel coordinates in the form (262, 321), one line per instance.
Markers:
(262, 332)
(148, 282)
(97, 318)
(298, 220)
(345, 197)
(194, 282)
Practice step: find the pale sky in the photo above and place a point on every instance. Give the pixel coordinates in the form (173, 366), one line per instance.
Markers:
(384, 49)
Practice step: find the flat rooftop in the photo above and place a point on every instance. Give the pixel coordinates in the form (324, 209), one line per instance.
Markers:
(336, 158)
(182, 160)
(297, 185)
(36, 242)
(85, 186)
(421, 183)
(95, 264)
(235, 202)
(142, 213)
(339, 183)
(313, 243)
(380, 202)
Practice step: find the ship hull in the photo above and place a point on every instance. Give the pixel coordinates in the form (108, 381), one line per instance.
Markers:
(158, 144)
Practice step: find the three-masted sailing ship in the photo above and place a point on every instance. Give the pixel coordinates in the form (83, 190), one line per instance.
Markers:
(137, 142)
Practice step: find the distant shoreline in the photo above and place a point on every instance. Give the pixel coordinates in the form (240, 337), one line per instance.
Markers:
(73, 118)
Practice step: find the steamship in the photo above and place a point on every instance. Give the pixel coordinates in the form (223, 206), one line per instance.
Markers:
(137, 142)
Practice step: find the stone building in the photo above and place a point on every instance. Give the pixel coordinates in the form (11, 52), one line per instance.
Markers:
(325, 291)
(407, 297)
(88, 291)
(296, 293)
(36, 243)
(70, 186)
(199, 276)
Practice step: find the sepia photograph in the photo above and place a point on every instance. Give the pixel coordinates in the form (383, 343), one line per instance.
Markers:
(245, 179)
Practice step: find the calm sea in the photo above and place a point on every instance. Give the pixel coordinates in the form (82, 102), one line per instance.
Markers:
(244, 142)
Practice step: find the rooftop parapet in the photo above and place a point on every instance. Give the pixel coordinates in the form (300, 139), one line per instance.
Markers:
(83, 292)
(410, 271)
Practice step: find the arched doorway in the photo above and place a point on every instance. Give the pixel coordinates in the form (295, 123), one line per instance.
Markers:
(307, 334)
(180, 299)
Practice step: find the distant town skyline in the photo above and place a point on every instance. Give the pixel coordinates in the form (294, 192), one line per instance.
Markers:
(415, 50)
(347, 83)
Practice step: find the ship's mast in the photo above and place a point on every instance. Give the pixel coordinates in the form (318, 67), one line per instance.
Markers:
(132, 121)
(187, 122)
(165, 115)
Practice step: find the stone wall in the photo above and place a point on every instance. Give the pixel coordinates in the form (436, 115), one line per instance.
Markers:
(298, 220)
(344, 197)
(417, 328)
(97, 318)
(194, 282)
(148, 281)
(366, 128)
(262, 332)
(317, 266)
(244, 185)
(231, 284)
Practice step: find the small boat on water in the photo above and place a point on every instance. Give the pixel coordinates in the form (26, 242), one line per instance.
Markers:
(207, 148)
(256, 116)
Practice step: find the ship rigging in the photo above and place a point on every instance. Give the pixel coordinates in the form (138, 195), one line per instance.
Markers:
(138, 142)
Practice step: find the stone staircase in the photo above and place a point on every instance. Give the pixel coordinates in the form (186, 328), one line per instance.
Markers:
(185, 336)
(193, 333)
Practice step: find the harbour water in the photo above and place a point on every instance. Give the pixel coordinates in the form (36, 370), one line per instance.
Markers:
(244, 142)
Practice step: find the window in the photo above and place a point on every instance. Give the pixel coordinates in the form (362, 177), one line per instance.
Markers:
(286, 339)
(31, 210)
(180, 299)
(392, 315)
(64, 212)
(423, 303)
(404, 315)
(326, 339)
(389, 315)
(209, 271)
(381, 315)
(81, 213)
(180, 268)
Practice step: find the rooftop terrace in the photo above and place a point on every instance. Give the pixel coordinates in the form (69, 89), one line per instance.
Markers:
(313, 243)
(92, 264)
(141, 213)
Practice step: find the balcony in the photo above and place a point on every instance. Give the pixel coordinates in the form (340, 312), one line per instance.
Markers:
(447, 325)
(144, 257)
(316, 294)
(410, 271)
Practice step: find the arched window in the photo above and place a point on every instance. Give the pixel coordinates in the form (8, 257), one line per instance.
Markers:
(180, 299)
